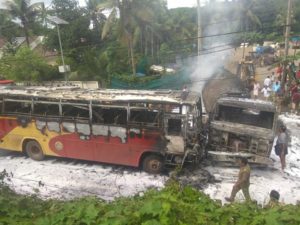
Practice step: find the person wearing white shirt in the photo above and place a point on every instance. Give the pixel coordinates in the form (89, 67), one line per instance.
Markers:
(267, 81)
(266, 91)
(256, 88)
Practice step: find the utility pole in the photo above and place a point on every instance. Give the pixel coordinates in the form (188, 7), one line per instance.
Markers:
(286, 44)
(288, 29)
(199, 28)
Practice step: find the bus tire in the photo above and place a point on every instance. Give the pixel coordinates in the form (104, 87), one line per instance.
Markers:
(34, 150)
(153, 164)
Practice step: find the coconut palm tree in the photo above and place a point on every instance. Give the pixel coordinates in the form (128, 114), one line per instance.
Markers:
(24, 12)
(96, 15)
(129, 16)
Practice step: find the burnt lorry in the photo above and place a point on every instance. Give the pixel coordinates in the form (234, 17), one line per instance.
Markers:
(241, 127)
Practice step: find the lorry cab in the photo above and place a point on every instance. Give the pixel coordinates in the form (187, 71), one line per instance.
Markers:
(241, 127)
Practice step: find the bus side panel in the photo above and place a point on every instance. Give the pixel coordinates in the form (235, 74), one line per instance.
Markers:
(9, 137)
(13, 135)
(108, 149)
(146, 141)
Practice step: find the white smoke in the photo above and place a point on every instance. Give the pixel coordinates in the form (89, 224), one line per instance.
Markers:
(216, 51)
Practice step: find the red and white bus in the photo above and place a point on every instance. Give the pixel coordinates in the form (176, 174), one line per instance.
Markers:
(124, 127)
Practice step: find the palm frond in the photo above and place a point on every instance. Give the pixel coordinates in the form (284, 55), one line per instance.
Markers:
(110, 20)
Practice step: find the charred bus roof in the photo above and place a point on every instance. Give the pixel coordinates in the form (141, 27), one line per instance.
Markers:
(102, 95)
(247, 103)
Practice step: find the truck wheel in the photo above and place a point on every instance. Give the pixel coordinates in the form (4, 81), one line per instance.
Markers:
(153, 164)
(34, 150)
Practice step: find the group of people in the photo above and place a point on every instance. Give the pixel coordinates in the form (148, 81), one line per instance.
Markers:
(243, 182)
(295, 96)
(270, 87)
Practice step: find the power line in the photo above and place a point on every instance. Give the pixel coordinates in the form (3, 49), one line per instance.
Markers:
(229, 33)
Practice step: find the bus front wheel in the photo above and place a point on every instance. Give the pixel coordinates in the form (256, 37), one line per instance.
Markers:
(34, 150)
(153, 164)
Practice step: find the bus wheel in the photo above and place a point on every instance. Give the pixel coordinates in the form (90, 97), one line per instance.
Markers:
(153, 164)
(34, 150)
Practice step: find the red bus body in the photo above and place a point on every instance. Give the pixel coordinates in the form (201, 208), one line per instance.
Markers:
(110, 126)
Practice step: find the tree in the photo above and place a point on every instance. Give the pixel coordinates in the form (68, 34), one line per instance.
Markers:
(23, 11)
(95, 14)
(8, 29)
(132, 15)
(26, 65)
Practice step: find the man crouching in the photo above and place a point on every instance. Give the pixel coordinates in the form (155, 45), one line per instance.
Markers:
(243, 181)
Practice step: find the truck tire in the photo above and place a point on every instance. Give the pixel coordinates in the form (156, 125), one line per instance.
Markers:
(153, 164)
(34, 150)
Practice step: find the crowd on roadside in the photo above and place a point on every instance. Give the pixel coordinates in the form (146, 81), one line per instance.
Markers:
(272, 89)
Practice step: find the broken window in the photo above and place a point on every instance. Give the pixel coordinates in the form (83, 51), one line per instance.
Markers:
(46, 109)
(249, 116)
(17, 107)
(116, 116)
(75, 111)
(144, 117)
(174, 126)
(169, 108)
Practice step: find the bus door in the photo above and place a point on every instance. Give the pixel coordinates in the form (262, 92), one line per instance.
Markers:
(17, 118)
(76, 136)
(109, 133)
(175, 123)
(145, 129)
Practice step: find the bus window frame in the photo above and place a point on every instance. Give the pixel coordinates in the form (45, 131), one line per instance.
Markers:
(49, 103)
(3, 110)
(93, 105)
(77, 118)
(158, 124)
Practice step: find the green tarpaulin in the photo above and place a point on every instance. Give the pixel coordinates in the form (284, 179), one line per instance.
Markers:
(172, 81)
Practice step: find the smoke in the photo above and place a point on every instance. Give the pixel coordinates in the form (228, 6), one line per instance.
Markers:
(215, 54)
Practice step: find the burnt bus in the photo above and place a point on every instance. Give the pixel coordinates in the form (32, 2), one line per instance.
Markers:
(136, 128)
(241, 127)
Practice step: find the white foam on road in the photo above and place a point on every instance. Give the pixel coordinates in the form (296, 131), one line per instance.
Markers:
(67, 179)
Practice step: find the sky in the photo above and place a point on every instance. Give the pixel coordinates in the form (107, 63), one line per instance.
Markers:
(171, 3)
(181, 3)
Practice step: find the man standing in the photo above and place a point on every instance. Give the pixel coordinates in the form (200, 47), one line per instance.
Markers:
(256, 88)
(267, 81)
(243, 181)
(282, 142)
(266, 91)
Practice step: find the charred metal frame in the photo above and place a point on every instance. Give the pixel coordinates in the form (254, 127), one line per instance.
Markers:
(229, 140)
(137, 100)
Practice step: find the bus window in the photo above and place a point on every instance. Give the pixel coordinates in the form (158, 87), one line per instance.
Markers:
(144, 116)
(75, 111)
(17, 107)
(115, 116)
(46, 109)
(176, 109)
(174, 126)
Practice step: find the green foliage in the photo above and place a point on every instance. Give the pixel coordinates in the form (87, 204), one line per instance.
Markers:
(26, 65)
(173, 205)
(137, 29)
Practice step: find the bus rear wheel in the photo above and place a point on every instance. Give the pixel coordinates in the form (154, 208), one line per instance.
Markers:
(153, 164)
(34, 150)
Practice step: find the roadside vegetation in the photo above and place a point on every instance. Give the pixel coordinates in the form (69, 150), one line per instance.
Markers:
(172, 205)
(108, 38)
